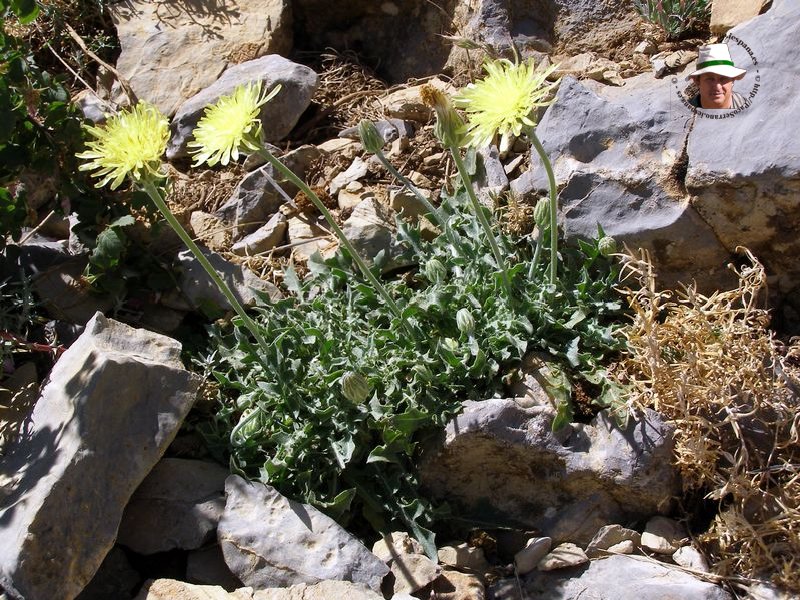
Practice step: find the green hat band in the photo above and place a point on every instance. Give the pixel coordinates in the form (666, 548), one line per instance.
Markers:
(713, 63)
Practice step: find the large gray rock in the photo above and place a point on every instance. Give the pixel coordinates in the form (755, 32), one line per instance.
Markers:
(618, 577)
(616, 154)
(566, 484)
(535, 26)
(113, 403)
(744, 171)
(270, 541)
(278, 116)
(171, 51)
(178, 505)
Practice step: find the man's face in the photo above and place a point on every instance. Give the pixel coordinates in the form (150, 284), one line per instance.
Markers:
(715, 90)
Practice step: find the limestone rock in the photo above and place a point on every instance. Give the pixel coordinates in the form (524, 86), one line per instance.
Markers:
(263, 239)
(744, 171)
(270, 541)
(172, 51)
(726, 14)
(454, 585)
(563, 556)
(609, 536)
(691, 558)
(616, 154)
(170, 589)
(178, 505)
(526, 559)
(96, 441)
(663, 535)
(324, 590)
(618, 577)
(463, 556)
(278, 116)
(566, 484)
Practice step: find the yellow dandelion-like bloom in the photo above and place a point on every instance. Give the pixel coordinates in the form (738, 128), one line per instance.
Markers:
(505, 100)
(131, 143)
(230, 125)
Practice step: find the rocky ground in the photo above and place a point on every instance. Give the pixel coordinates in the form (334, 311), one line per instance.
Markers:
(96, 514)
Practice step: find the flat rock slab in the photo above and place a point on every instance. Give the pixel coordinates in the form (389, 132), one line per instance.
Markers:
(114, 401)
(172, 50)
(271, 541)
(617, 577)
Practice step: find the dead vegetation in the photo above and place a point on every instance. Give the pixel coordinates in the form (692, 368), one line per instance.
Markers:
(731, 389)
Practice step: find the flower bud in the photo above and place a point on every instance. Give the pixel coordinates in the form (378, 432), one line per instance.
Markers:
(465, 322)
(355, 387)
(450, 128)
(541, 213)
(435, 271)
(607, 245)
(371, 138)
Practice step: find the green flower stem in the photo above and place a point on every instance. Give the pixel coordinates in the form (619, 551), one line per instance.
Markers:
(289, 174)
(155, 195)
(553, 203)
(476, 205)
(441, 220)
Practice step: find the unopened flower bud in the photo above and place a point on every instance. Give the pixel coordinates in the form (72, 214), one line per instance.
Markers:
(371, 138)
(355, 387)
(465, 322)
(541, 213)
(607, 245)
(435, 271)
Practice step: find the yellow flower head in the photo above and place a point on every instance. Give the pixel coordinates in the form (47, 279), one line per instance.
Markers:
(230, 125)
(131, 143)
(504, 101)
(450, 127)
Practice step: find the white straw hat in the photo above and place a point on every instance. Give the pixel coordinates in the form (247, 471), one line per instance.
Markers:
(716, 58)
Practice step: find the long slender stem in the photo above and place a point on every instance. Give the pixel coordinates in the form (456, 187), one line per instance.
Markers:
(441, 220)
(155, 195)
(379, 287)
(553, 204)
(478, 208)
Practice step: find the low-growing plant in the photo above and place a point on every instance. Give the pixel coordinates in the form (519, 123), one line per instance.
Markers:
(350, 373)
(335, 413)
(675, 17)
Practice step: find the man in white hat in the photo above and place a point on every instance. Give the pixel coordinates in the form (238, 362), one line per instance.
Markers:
(714, 78)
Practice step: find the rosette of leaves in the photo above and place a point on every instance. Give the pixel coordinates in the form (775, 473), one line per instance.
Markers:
(675, 17)
(284, 418)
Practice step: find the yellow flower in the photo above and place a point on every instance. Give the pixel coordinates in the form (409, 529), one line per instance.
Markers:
(131, 143)
(504, 101)
(230, 125)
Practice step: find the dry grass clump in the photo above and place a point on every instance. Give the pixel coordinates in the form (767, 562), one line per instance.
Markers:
(710, 365)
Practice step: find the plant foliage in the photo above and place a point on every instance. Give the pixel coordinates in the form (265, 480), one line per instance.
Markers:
(675, 17)
(285, 418)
